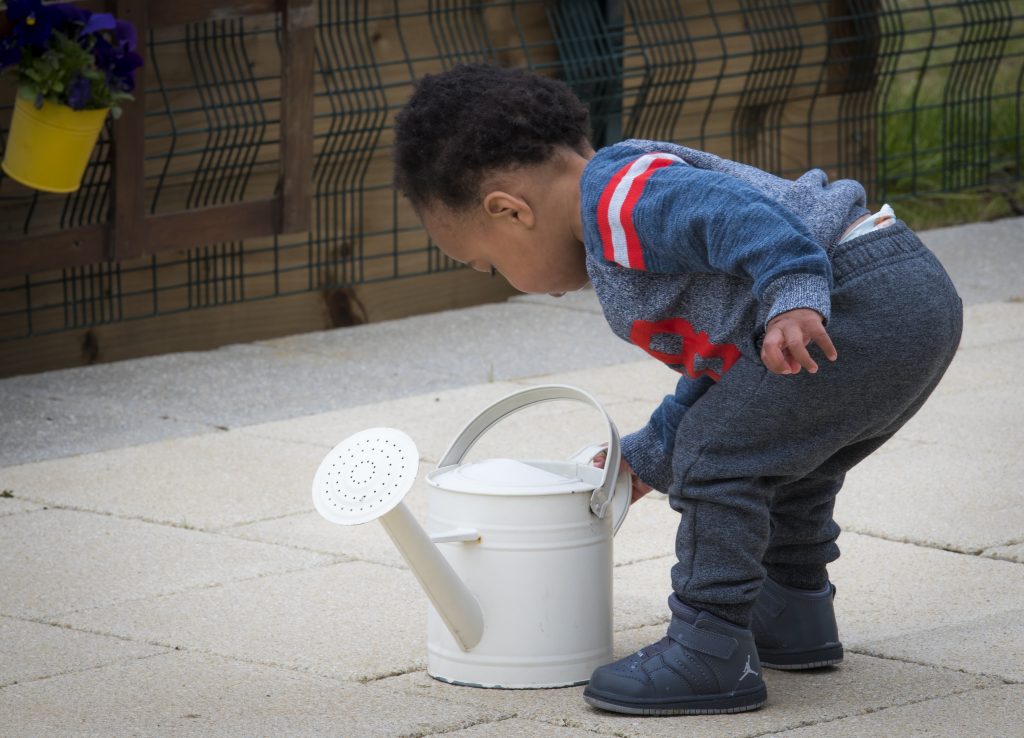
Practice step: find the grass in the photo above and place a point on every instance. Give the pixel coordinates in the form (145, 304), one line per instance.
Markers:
(950, 133)
(952, 208)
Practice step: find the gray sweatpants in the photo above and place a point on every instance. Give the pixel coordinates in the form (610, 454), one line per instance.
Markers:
(760, 457)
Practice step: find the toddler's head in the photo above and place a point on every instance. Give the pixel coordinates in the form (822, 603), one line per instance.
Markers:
(490, 158)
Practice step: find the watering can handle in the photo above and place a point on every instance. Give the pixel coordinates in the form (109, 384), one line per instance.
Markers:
(602, 496)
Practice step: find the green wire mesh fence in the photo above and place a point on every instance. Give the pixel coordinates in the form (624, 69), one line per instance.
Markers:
(912, 97)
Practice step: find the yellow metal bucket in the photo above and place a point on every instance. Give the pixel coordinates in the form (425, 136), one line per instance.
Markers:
(48, 148)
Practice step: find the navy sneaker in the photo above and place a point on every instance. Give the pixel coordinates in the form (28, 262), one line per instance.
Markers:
(704, 666)
(796, 628)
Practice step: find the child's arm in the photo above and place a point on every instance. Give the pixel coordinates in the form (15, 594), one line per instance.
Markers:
(649, 450)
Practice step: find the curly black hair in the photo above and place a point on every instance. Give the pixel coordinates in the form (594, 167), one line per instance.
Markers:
(473, 119)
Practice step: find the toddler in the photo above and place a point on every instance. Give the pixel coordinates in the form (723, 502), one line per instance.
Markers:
(805, 331)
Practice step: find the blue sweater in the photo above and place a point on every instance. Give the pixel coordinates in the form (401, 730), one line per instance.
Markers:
(691, 255)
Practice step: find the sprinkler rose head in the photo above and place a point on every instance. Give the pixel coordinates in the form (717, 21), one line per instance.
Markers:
(365, 476)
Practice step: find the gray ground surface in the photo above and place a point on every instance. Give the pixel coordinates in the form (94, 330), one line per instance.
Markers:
(165, 573)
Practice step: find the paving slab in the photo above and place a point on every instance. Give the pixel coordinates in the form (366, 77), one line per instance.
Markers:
(208, 482)
(519, 728)
(235, 385)
(486, 343)
(14, 505)
(640, 593)
(354, 621)
(861, 684)
(366, 542)
(981, 419)
(985, 260)
(1013, 552)
(432, 420)
(984, 367)
(30, 650)
(918, 495)
(648, 532)
(189, 694)
(992, 323)
(992, 645)
(889, 590)
(62, 560)
(41, 426)
(993, 712)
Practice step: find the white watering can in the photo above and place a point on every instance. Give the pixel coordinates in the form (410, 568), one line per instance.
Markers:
(518, 567)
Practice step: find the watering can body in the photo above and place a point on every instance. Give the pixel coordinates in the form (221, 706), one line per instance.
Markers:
(533, 541)
(541, 570)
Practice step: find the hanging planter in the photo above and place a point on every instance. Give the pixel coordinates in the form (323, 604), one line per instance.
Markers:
(72, 67)
(48, 148)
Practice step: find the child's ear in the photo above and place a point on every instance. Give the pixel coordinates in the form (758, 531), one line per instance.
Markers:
(499, 204)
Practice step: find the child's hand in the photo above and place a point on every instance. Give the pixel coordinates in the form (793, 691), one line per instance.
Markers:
(784, 350)
(639, 488)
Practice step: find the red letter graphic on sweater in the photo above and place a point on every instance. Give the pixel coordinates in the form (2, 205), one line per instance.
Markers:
(693, 343)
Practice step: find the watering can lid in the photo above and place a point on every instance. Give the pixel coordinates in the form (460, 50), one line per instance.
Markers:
(509, 476)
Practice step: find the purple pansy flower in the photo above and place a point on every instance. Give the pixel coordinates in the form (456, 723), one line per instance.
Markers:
(79, 92)
(119, 65)
(126, 35)
(99, 22)
(33, 21)
(124, 69)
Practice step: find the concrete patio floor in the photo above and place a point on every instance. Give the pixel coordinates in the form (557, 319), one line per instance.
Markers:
(165, 572)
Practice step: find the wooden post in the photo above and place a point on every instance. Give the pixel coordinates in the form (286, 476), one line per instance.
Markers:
(299, 26)
(127, 234)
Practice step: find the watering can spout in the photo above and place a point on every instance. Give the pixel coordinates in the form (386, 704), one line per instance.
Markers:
(452, 599)
(364, 478)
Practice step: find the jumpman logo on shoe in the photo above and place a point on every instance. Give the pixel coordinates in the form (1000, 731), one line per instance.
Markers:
(746, 670)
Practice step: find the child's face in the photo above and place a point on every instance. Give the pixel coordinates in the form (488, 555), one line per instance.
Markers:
(531, 261)
(527, 228)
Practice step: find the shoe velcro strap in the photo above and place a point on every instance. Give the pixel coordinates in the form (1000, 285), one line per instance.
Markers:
(713, 644)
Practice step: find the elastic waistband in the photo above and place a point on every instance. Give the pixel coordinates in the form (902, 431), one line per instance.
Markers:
(873, 249)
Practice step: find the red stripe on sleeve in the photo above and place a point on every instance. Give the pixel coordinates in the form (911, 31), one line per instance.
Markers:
(604, 217)
(633, 248)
